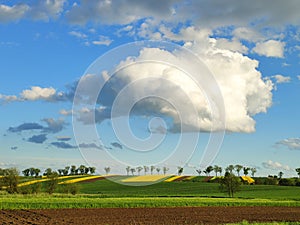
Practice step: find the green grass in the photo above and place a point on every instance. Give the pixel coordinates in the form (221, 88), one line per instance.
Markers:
(197, 189)
(106, 193)
(92, 201)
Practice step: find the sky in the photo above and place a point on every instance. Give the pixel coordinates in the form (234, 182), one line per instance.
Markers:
(168, 83)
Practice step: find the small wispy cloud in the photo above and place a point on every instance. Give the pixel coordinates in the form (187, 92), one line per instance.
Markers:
(103, 40)
(281, 79)
(78, 34)
(63, 145)
(290, 143)
(38, 139)
(116, 145)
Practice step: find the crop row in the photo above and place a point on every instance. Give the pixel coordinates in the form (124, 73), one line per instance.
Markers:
(54, 202)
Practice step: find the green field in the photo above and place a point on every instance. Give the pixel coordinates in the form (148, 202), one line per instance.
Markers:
(106, 193)
(92, 201)
(107, 188)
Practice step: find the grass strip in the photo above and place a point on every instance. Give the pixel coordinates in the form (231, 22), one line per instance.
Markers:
(68, 201)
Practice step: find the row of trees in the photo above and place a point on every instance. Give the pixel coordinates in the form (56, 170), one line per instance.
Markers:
(147, 169)
(68, 170)
(11, 177)
(230, 169)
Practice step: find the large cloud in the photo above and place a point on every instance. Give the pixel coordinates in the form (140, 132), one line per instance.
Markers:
(38, 10)
(202, 13)
(244, 91)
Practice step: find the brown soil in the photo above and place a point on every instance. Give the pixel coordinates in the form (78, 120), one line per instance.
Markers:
(178, 215)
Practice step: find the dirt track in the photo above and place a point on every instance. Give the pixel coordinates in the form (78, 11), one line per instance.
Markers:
(179, 215)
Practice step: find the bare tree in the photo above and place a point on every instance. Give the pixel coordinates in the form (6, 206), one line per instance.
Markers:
(165, 170)
(246, 170)
(139, 169)
(127, 170)
(253, 171)
(107, 170)
(238, 168)
(199, 171)
(152, 168)
(179, 170)
(146, 169)
(157, 170)
(132, 170)
(298, 171)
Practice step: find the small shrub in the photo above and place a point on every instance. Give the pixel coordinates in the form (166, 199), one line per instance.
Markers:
(287, 182)
(70, 189)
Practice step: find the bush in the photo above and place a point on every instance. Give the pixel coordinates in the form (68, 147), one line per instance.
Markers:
(266, 181)
(10, 180)
(70, 189)
(287, 182)
(230, 184)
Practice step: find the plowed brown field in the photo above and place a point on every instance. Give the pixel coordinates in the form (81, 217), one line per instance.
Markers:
(177, 215)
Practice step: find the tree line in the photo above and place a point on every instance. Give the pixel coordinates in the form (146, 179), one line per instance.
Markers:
(67, 171)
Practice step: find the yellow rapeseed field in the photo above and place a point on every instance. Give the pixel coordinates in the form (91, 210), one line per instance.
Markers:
(78, 179)
(145, 178)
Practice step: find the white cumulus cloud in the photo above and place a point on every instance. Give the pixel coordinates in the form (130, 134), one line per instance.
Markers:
(275, 166)
(38, 93)
(243, 89)
(270, 48)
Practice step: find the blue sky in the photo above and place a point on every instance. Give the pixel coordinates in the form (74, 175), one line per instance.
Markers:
(248, 53)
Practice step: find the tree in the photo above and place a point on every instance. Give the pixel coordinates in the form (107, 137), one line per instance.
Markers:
(246, 170)
(26, 172)
(127, 170)
(52, 183)
(132, 170)
(152, 168)
(179, 170)
(32, 171)
(199, 171)
(92, 170)
(86, 170)
(107, 170)
(253, 171)
(298, 171)
(11, 179)
(81, 169)
(146, 169)
(165, 170)
(66, 170)
(60, 172)
(209, 169)
(238, 168)
(157, 170)
(230, 184)
(48, 172)
(230, 169)
(73, 170)
(280, 174)
(37, 172)
(217, 169)
(139, 169)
